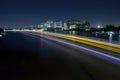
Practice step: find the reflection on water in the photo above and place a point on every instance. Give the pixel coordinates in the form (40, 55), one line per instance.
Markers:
(110, 37)
(73, 32)
(96, 34)
(119, 37)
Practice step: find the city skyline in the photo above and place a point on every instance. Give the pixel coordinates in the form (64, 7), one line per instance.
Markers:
(27, 12)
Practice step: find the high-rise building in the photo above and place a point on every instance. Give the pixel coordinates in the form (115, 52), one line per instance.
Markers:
(49, 24)
(58, 24)
(73, 24)
(65, 25)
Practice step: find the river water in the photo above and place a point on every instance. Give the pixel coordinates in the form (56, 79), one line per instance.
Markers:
(109, 36)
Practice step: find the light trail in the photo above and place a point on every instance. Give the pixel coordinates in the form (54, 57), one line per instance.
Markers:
(86, 50)
(99, 44)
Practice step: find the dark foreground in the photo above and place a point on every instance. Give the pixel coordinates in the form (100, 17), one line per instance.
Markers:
(26, 58)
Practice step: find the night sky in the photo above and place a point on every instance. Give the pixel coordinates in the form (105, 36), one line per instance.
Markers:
(28, 12)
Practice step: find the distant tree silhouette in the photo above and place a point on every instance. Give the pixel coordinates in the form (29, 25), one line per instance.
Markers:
(118, 27)
(110, 28)
(1, 30)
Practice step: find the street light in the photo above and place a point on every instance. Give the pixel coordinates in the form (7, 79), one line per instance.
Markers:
(98, 26)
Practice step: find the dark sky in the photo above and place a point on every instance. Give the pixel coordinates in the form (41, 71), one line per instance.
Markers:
(27, 12)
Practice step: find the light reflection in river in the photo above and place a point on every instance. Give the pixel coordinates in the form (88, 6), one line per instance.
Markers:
(110, 36)
(119, 37)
